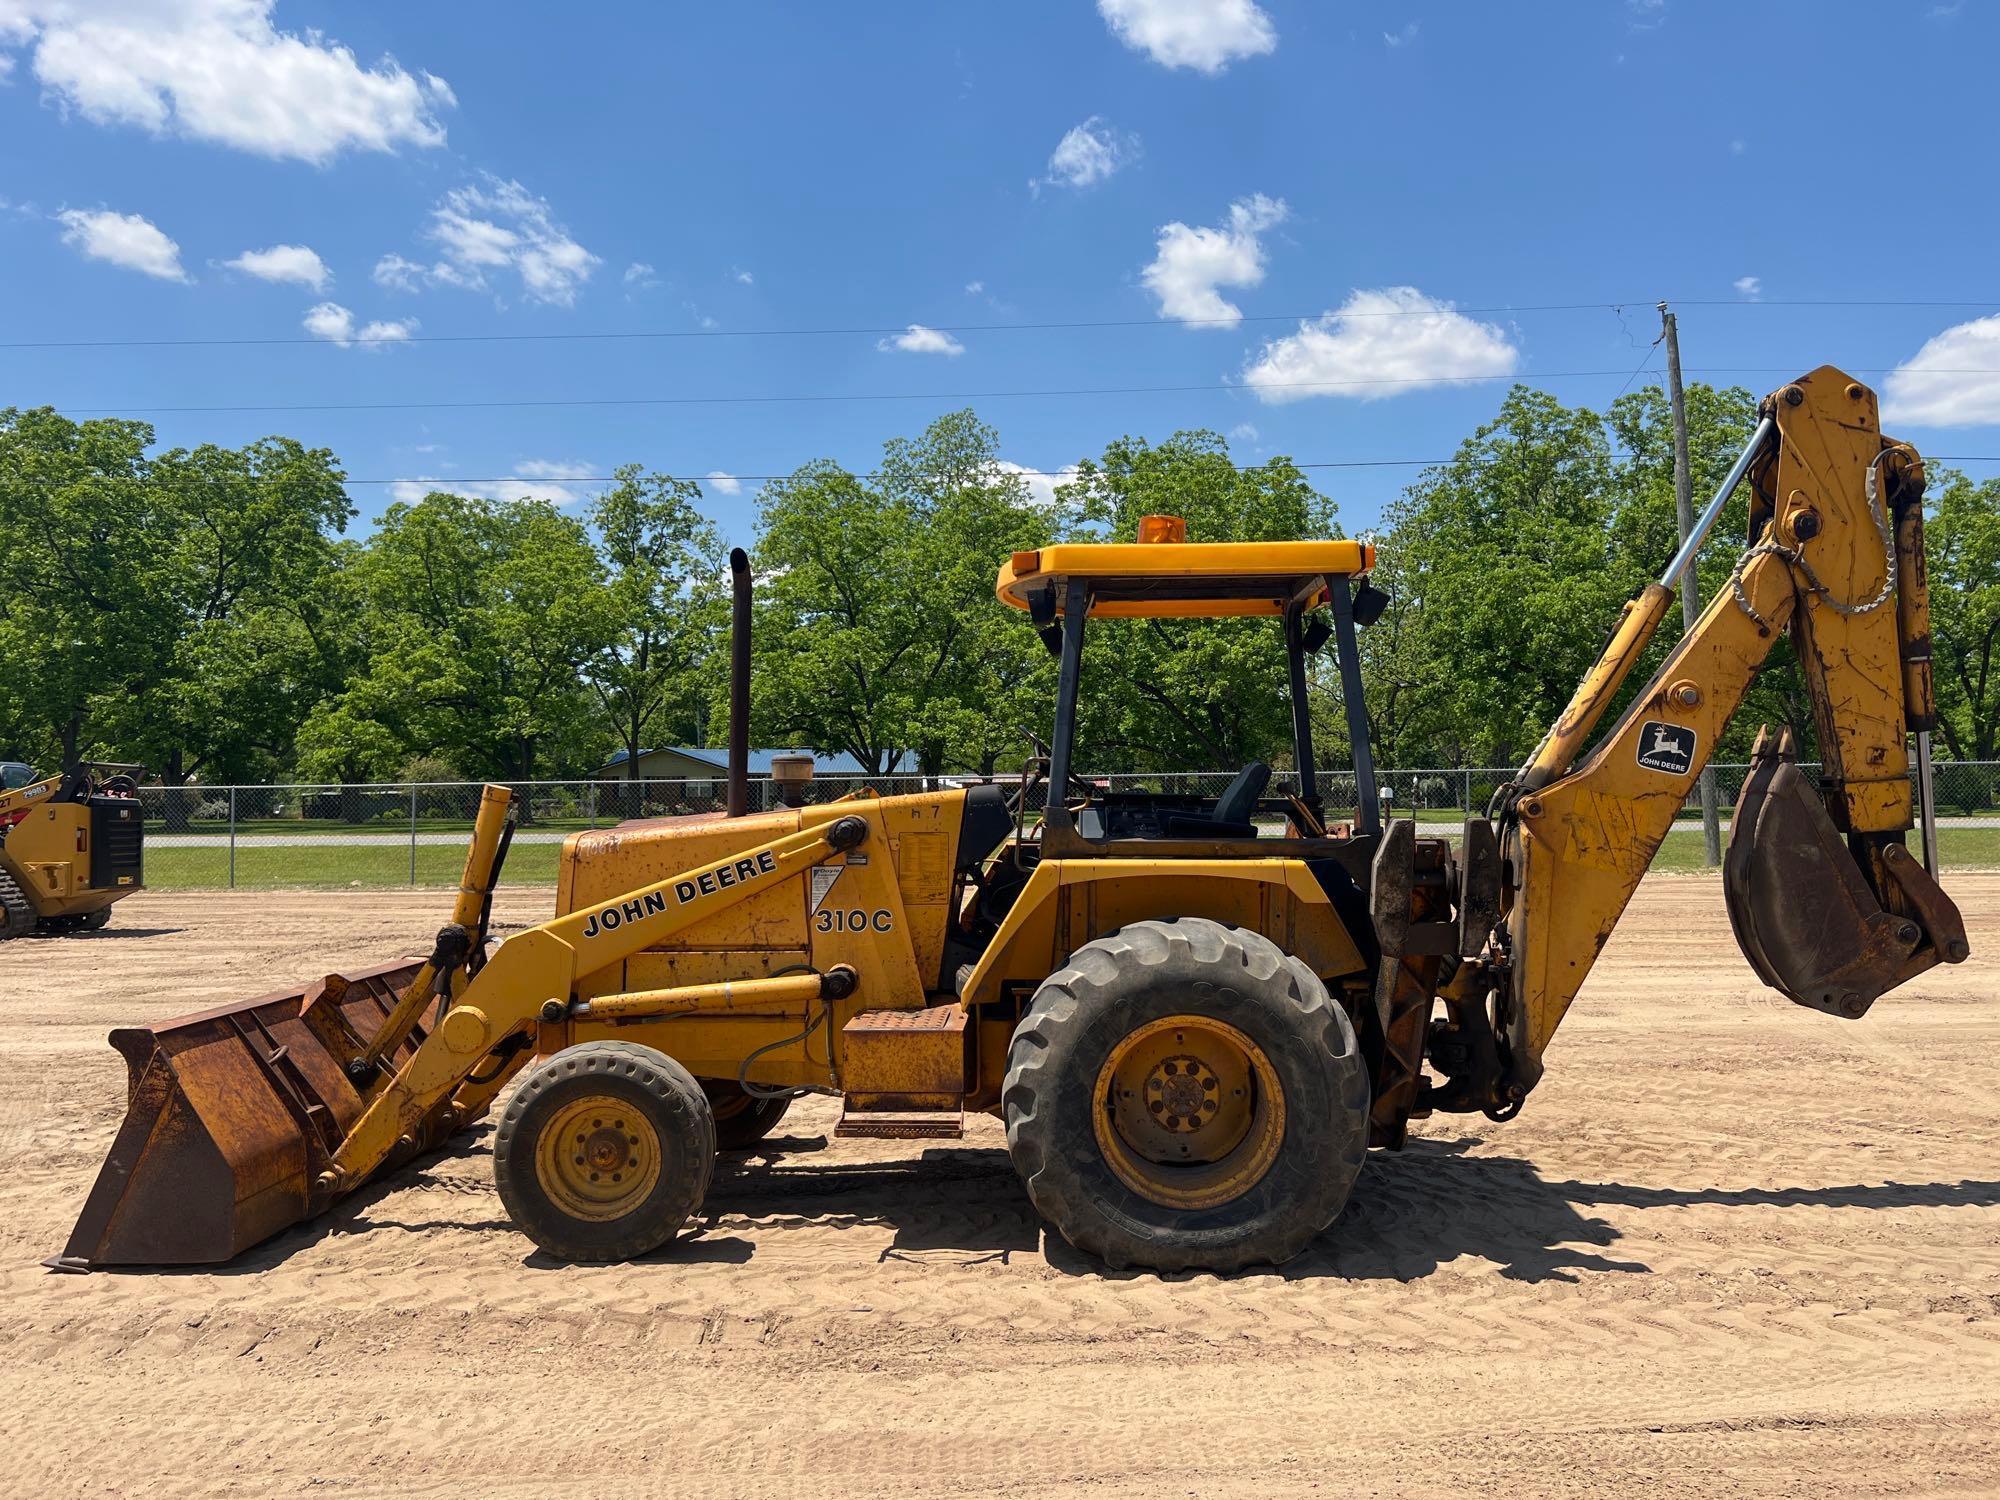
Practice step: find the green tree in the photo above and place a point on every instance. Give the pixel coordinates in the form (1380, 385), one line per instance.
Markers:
(1962, 542)
(1172, 694)
(662, 563)
(1720, 421)
(877, 630)
(481, 614)
(141, 594)
(80, 548)
(249, 530)
(1509, 573)
(1507, 568)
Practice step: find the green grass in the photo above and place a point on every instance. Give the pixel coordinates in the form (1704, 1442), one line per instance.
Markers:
(1958, 849)
(317, 867)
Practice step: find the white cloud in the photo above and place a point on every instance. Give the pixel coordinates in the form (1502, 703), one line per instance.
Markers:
(1088, 153)
(554, 468)
(1379, 343)
(335, 324)
(399, 275)
(293, 263)
(1749, 287)
(974, 288)
(743, 276)
(1647, 15)
(921, 340)
(1041, 485)
(127, 240)
(1945, 384)
(1402, 37)
(1737, 148)
(722, 484)
(1206, 35)
(1191, 263)
(495, 226)
(641, 274)
(220, 71)
(1244, 432)
(540, 479)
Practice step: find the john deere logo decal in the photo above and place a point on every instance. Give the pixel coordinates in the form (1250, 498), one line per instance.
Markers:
(1666, 747)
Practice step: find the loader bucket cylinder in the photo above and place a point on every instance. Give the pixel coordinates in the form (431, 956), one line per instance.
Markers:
(231, 1116)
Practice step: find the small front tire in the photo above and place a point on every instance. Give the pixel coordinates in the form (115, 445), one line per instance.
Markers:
(604, 1151)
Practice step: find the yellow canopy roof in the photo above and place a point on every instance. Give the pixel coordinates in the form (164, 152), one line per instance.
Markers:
(1205, 579)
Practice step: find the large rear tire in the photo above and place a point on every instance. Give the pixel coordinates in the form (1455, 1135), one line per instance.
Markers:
(604, 1151)
(1184, 1095)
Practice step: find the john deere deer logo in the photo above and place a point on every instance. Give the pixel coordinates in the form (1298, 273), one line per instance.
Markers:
(1666, 747)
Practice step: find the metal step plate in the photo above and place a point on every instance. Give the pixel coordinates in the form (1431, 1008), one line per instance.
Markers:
(909, 1126)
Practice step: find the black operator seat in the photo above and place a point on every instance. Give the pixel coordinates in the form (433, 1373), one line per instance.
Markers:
(1230, 818)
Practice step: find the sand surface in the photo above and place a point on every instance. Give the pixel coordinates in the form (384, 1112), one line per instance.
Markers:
(1731, 1247)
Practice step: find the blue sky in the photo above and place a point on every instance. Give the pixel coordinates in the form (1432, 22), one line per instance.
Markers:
(719, 171)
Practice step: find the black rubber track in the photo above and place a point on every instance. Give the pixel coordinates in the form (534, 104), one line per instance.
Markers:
(1189, 966)
(658, 1087)
(17, 914)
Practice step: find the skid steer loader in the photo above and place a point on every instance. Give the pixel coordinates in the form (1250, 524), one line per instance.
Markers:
(69, 846)
(1193, 1014)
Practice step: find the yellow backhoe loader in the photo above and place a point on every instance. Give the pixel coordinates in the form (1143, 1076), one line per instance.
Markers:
(69, 846)
(1194, 1015)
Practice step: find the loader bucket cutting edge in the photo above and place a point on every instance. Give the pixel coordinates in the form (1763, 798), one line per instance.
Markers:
(231, 1115)
(1806, 920)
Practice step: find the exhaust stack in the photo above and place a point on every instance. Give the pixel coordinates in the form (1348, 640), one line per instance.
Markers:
(739, 683)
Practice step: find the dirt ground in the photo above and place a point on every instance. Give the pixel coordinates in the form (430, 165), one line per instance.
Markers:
(1731, 1247)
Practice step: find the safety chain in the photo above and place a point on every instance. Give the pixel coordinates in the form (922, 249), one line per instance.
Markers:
(1878, 513)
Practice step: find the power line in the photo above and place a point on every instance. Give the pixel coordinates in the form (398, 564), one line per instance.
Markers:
(838, 396)
(531, 482)
(876, 331)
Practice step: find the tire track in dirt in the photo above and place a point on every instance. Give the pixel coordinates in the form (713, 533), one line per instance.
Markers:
(1728, 1248)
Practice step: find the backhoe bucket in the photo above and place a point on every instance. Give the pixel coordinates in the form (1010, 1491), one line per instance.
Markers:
(1805, 917)
(231, 1116)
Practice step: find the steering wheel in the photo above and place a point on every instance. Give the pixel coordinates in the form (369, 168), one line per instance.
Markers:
(1036, 774)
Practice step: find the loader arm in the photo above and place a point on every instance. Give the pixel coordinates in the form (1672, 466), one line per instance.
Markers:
(23, 797)
(1830, 906)
(531, 975)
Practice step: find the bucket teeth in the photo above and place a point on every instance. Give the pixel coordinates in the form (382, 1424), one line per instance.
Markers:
(231, 1116)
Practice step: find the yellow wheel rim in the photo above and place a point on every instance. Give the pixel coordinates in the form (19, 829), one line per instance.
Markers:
(598, 1159)
(1190, 1112)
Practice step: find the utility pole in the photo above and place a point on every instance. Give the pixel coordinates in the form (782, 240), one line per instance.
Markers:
(1711, 822)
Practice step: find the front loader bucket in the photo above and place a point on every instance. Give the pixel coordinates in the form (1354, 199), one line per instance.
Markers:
(230, 1118)
(1805, 917)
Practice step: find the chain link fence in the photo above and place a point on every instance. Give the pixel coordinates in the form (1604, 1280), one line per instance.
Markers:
(413, 834)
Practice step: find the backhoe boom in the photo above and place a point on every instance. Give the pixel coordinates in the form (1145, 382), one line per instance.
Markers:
(1579, 834)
